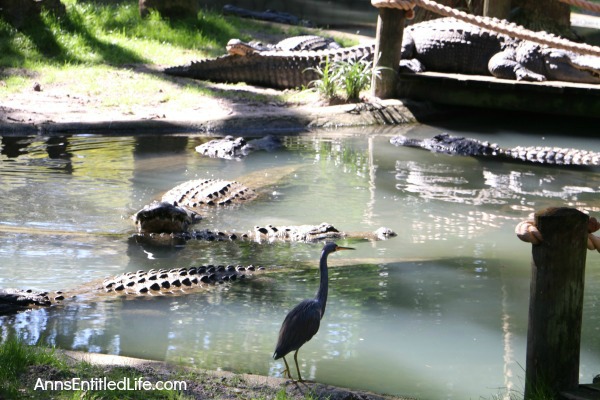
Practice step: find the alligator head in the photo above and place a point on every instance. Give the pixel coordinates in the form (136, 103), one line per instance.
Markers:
(563, 65)
(164, 217)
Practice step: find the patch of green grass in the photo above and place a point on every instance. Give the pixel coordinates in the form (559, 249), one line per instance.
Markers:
(16, 357)
(93, 33)
(18, 380)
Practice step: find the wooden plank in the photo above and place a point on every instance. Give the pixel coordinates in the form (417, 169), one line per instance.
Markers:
(560, 98)
(556, 302)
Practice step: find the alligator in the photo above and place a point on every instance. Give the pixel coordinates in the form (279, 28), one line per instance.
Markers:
(180, 207)
(444, 143)
(442, 45)
(267, 233)
(294, 43)
(231, 148)
(141, 283)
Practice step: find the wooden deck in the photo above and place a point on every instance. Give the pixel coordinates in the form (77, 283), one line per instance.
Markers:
(558, 98)
(584, 392)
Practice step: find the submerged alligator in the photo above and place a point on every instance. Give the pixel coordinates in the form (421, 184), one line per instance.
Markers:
(141, 283)
(231, 148)
(444, 143)
(442, 45)
(172, 216)
(179, 208)
(268, 233)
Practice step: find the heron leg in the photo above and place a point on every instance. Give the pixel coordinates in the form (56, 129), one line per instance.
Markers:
(297, 368)
(287, 369)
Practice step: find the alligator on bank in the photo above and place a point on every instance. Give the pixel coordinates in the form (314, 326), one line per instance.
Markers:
(442, 45)
(444, 143)
(141, 283)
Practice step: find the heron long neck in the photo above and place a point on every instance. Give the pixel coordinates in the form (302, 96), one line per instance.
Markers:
(323, 286)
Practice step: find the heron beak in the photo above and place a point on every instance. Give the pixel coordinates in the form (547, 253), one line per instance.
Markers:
(338, 248)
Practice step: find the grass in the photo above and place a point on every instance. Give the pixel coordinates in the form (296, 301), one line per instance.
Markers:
(21, 366)
(348, 77)
(114, 34)
(98, 49)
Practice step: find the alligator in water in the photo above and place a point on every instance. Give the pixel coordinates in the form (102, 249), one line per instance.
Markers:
(179, 208)
(268, 233)
(152, 283)
(231, 148)
(442, 45)
(168, 221)
(444, 143)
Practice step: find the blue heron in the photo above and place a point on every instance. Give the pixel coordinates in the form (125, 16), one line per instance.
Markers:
(303, 321)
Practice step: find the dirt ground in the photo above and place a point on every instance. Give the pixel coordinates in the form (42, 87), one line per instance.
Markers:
(221, 384)
(225, 109)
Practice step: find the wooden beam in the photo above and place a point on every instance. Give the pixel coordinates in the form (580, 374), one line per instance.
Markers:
(386, 61)
(556, 302)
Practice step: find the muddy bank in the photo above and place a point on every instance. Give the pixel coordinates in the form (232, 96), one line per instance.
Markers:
(203, 384)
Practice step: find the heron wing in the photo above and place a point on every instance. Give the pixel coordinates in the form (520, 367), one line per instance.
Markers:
(299, 326)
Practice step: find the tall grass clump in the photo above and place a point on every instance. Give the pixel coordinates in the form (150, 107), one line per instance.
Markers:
(355, 76)
(342, 79)
(327, 84)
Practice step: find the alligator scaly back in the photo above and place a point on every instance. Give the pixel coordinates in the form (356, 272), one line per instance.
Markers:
(161, 282)
(201, 193)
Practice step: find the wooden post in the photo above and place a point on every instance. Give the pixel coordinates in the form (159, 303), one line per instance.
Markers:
(556, 301)
(496, 8)
(390, 26)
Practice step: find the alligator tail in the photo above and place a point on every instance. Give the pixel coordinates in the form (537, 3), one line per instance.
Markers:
(554, 156)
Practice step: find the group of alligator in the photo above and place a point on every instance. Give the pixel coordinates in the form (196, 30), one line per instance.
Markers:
(441, 45)
(171, 218)
(179, 209)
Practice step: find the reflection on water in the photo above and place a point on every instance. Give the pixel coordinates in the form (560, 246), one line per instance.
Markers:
(439, 312)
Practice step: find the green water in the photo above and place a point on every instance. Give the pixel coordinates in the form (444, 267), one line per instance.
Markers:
(439, 312)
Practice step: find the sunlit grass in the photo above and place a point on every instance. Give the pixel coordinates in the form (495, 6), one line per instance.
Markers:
(92, 33)
(98, 51)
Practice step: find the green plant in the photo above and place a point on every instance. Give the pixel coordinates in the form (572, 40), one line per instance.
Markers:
(327, 85)
(354, 76)
(351, 77)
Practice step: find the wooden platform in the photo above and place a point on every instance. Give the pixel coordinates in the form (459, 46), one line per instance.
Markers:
(584, 392)
(558, 98)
